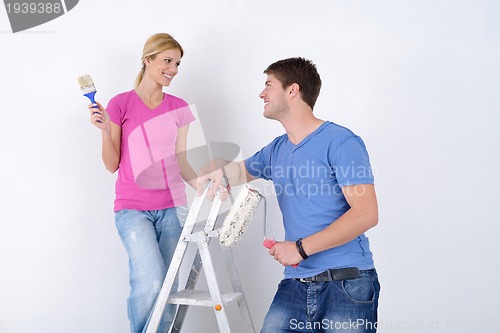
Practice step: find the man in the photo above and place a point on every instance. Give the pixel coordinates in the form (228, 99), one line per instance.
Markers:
(324, 184)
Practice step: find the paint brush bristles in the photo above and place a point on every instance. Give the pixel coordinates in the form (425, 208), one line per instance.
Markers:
(87, 87)
(86, 84)
(239, 216)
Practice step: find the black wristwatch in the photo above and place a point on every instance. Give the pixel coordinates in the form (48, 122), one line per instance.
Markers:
(302, 253)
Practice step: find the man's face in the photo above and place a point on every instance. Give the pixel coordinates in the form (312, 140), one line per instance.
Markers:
(274, 96)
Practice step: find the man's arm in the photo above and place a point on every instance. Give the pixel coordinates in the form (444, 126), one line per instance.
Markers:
(214, 171)
(362, 216)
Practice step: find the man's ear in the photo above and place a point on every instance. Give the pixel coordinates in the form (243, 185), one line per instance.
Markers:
(293, 89)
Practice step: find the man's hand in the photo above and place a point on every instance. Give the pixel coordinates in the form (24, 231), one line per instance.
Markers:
(286, 253)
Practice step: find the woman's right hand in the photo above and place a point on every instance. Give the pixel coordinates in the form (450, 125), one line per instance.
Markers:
(99, 117)
(220, 184)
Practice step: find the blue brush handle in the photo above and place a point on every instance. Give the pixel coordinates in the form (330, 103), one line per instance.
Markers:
(91, 96)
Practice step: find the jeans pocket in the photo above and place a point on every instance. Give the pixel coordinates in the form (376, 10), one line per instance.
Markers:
(182, 213)
(359, 290)
(284, 282)
(121, 214)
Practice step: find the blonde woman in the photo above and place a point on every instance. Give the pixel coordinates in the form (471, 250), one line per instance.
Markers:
(144, 134)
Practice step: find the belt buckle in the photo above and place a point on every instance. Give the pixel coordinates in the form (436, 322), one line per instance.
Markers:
(314, 278)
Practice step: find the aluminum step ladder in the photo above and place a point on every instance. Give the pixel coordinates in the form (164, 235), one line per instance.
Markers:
(189, 296)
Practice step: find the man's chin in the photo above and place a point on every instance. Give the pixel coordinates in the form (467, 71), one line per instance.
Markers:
(268, 115)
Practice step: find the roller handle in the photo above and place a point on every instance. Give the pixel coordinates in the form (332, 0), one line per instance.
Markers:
(270, 242)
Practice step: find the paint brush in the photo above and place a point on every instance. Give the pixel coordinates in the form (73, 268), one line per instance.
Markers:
(88, 88)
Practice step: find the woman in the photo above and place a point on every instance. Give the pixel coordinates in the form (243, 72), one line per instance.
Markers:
(144, 134)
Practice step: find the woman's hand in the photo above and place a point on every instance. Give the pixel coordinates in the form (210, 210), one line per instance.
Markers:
(220, 184)
(99, 117)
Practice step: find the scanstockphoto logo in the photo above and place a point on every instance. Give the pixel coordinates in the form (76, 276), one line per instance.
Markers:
(26, 14)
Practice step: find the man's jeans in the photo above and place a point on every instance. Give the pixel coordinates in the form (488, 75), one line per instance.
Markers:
(334, 306)
(150, 238)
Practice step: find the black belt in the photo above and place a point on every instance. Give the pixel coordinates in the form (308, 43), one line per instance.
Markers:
(337, 274)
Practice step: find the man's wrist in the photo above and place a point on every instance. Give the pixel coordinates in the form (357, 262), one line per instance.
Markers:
(302, 253)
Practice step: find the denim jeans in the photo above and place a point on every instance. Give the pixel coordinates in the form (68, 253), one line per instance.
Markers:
(334, 306)
(150, 238)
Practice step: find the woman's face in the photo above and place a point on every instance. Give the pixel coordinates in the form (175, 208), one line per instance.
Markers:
(164, 66)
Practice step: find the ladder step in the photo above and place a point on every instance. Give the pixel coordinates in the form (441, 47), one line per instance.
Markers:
(200, 298)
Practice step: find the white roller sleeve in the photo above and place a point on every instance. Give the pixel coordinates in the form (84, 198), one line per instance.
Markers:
(239, 216)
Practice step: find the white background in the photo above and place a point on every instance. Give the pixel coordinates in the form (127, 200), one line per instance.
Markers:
(417, 80)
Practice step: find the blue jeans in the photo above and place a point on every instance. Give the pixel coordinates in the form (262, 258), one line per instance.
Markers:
(334, 306)
(150, 238)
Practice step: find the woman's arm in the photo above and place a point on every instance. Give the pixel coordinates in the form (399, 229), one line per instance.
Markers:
(236, 173)
(187, 171)
(111, 137)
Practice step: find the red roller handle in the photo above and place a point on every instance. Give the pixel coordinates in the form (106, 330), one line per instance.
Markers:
(270, 242)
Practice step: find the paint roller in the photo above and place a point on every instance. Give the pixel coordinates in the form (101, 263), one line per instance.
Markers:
(240, 215)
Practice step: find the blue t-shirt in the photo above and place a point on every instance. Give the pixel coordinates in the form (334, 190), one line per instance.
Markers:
(308, 179)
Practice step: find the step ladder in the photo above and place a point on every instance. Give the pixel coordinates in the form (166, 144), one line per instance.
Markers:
(189, 296)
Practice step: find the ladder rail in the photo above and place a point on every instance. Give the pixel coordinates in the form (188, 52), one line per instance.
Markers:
(196, 268)
(213, 288)
(203, 259)
(194, 274)
(234, 277)
(180, 250)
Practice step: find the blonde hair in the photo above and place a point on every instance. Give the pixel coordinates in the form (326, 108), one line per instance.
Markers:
(156, 44)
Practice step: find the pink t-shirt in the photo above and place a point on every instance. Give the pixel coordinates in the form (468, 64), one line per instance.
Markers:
(149, 177)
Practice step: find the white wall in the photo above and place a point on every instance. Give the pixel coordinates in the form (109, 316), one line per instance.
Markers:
(418, 80)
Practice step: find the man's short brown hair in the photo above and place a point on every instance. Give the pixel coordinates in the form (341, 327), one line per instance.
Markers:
(301, 71)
